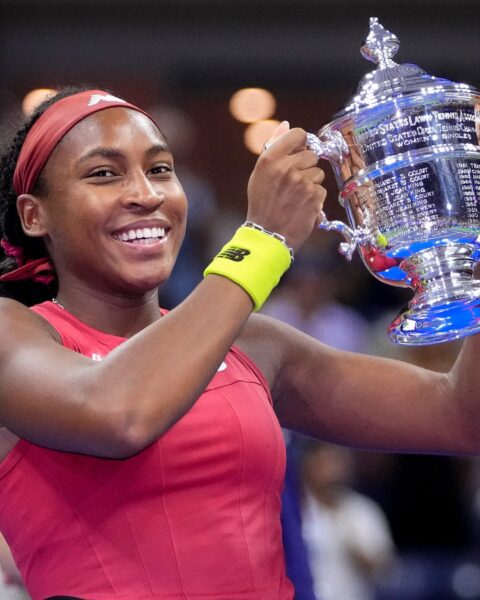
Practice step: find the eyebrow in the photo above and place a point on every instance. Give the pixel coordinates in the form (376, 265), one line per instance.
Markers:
(112, 153)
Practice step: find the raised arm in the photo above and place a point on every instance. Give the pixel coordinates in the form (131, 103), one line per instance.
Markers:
(57, 398)
(367, 401)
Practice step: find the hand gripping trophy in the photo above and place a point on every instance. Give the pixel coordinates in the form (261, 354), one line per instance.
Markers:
(406, 156)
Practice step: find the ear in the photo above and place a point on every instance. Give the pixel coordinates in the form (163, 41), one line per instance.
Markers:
(32, 215)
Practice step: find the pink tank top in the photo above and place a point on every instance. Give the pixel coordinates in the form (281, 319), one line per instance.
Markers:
(193, 516)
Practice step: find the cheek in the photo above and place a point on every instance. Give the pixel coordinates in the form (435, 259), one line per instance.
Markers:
(181, 212)
(182, 223)
(180, 203)
(75, 221)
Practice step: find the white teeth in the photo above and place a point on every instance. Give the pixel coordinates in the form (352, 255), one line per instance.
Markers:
(146, 241)
(147, 233)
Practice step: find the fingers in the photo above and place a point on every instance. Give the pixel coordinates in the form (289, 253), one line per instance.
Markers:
(285, 140)
(306, 162)
(306, 159)
(278, 132)
(292, 142)
(321, 218)
(285, 190)
(318, 176)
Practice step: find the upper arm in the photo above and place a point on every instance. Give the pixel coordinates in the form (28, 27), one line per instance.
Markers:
(45, 389)
(359, 400)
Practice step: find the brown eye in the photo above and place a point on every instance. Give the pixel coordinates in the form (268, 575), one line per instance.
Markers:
(102, 173)
(161, 169)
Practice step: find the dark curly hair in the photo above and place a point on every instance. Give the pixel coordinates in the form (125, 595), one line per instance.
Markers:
(27, 292)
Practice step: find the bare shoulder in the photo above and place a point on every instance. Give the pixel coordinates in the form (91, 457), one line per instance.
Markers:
(11, 311)
(18, 322)
(8, 441)
(273, 345)
(262, 341)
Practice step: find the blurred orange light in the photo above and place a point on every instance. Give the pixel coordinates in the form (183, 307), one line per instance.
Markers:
(256, 134)
(34, 98)
(252, 104)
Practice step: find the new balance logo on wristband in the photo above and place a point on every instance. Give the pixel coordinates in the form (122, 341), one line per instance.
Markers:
(234, 253)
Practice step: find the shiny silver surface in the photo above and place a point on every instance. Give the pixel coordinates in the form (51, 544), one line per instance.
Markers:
(408, 169)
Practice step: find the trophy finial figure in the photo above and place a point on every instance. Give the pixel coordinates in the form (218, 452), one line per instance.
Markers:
(380, 46)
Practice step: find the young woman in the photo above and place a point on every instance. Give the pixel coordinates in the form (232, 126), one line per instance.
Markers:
(142, 451)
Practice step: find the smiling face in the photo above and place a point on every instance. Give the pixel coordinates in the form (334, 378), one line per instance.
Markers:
(114, 213)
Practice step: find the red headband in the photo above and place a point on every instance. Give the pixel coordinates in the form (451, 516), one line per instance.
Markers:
(51, 126)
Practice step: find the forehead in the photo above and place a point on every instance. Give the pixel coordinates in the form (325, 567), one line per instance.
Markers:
(116, 127)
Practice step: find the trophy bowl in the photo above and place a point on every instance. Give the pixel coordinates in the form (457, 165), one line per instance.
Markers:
(405, 153)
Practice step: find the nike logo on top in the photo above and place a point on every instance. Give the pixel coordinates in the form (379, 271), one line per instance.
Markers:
(96, 98)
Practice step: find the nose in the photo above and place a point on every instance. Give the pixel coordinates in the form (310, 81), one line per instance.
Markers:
(142, 193)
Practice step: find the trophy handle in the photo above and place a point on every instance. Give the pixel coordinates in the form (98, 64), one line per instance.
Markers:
(353, 237)
(333, 147)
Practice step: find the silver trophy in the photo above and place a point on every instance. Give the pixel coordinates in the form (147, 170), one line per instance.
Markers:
(405, 152)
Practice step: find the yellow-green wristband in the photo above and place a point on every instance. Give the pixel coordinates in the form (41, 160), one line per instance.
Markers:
(255, 260)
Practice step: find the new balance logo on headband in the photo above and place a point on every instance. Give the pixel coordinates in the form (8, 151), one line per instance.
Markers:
(234, 253)
(96, 98)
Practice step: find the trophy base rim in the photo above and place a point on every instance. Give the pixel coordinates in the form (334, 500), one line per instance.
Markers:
(436, 324)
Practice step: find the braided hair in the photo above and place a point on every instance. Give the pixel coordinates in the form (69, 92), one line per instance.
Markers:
(27, 292)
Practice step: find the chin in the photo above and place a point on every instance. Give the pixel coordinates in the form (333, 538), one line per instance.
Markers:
(149, 282)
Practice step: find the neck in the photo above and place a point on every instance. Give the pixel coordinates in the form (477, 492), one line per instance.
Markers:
(115, 314)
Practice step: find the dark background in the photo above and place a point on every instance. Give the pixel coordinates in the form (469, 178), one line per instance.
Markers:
(195, 53)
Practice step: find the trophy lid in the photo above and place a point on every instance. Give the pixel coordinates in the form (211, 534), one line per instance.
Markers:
(390, 79)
